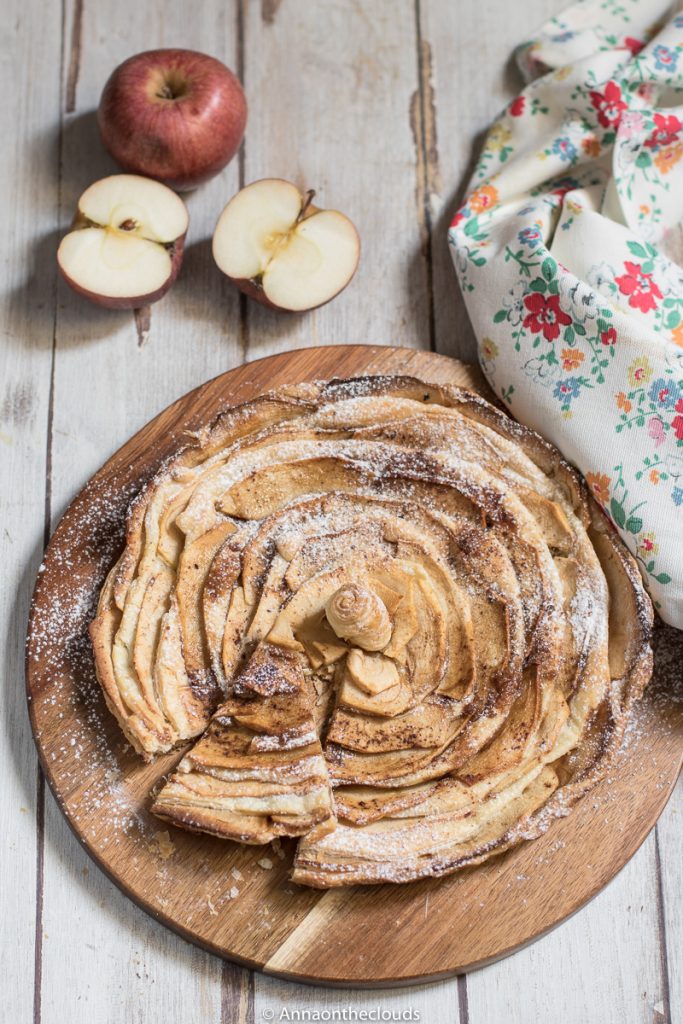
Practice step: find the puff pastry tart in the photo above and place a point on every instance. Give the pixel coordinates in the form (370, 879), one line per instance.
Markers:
(396, 621)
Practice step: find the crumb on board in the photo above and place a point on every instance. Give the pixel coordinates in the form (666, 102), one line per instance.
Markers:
(163, 845)
(230, 894)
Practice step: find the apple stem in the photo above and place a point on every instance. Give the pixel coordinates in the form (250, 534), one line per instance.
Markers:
(173, 86)
(310, 195)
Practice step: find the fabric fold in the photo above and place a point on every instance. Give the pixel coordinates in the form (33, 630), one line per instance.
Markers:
(578, 313)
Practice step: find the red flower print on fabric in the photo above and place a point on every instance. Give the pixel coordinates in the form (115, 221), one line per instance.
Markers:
(545, 314)
(609, 336)
(634, 45)
(642, 291)
(517, 106)
(608, 104)
(677, 421)
(665, 131)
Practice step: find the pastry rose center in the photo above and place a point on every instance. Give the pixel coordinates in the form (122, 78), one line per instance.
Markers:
(359, 615)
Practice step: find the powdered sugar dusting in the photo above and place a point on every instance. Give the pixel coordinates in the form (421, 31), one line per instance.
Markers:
(102, 777)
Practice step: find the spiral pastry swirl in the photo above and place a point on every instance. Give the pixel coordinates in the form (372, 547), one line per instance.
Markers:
(358, 615)
(392, 619)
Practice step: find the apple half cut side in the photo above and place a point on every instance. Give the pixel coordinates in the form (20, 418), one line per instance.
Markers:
(126, 243)
(281, 250)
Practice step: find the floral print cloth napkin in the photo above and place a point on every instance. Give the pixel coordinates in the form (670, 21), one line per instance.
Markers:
(578, 315)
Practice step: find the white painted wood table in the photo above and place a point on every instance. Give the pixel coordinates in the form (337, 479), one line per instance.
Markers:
(377, 104)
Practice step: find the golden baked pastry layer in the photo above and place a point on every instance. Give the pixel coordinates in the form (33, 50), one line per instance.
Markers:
(402, 629)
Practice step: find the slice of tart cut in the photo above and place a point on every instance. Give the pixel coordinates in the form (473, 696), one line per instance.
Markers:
(258, 772)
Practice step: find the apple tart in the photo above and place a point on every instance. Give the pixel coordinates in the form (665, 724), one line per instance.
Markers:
(394, 618)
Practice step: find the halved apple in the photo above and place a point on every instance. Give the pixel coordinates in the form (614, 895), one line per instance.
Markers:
(126, 243)
(281, 250)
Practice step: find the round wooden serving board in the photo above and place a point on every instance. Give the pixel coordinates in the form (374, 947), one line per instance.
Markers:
(216, 893)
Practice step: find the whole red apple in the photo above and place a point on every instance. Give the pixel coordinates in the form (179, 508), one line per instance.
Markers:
(174, 115)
